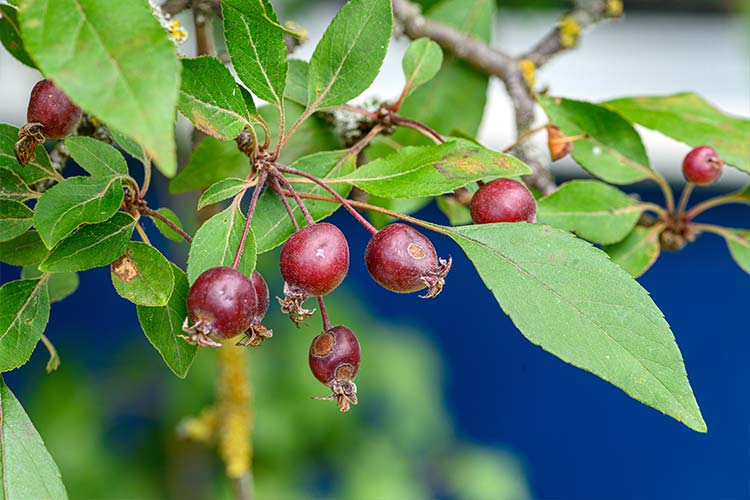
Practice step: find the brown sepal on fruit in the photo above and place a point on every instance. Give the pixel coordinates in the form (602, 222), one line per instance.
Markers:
(435, 279)
(291, 304)
(30, 136)
(344, 393)
(197, 335)
(255, 336)
(559, 144)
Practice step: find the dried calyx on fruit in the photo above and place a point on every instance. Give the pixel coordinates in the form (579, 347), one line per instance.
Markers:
(403, 260)
(313, 262)
(334, 360)
(50, 115)
(702, 166)
(503, 200)
(257, 333)
(222, 303)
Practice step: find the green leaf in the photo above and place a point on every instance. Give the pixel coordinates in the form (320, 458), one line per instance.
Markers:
(296, 81)
(568, 298)
(164, 229)
(93, 245)
(211, 99)
(271, 224)
(25, 250)
(421, 63)
(416, 171)
(211, 161)
(35, 171)
(739, 247)
(638, 252)
(129, 145)
(96, 157)
(143, 275)
(458, 214)
(216, 242)
(596, 211)
(13, 187)
(59, 285)
(28, 470)
(10, 35)
(163, 325)
(348, 57)
(690, 119)
(613, 151)
(256, 45)
(436, 102)
(222, 190)
(115, 61)
(75, 201)
(15, 219)
(24, 311)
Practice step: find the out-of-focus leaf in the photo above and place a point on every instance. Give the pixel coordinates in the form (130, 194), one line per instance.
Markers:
(59, 285)
(211, 161)
(421, 63)
(165, 229)
(10, 35)
(638, 251)
(24, 250)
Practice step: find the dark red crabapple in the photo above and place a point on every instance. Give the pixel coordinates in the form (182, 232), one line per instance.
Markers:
(702, 166)
(221, 304)
(503, 200)
(403, 260)
(314, 261)
(257, 333)
(334, 360)
(50, 115)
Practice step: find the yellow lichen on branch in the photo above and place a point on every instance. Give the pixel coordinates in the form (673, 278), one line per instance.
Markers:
(528, 68)
(569, 31)
(235, 414)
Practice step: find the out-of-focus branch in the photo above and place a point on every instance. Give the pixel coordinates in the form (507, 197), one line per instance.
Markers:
(173, 7)
(516, 73)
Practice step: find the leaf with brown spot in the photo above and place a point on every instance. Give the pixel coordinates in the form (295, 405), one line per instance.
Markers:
(143, 275)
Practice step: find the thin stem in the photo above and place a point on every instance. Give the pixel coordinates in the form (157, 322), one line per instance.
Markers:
(142, 233)
(283, 140)
(54, 358)
(282, 124)
(334, 193)
(171, 225)
(355, 109)
(521, 138)
(253, 202)
(301, 204)
(653, 207)
(666, 189)
(721, 231)
(419, 127)
(324, 314)
(146, 174)
(715, 202)
(684, 197)
(275, 186)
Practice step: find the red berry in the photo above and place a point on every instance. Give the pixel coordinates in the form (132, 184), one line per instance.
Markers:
(314, 261)
(403, 260)
(221, 304)
(50, 107)
(702, 166)
(334, 360)
(261, 290)
(503, 200)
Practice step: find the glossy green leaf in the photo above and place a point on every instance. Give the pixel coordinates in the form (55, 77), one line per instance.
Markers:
(28, 470)
(256, 45)
(216, 242)
(211, 99)
(13, 187)
(222, 190)
(59, 285)
(416, 171)
(567, 297)
(10, 35)
(211, 161)
(638, 251)
(348, 57)
(143, 275)
(739, 247)
(15, 219)
(39, 169)
(296, 81)
(613, 150)
(271, 224)
(596, 211)
(421, 63)
(25, 250)
(163, 325)
(114, 60)
(93, 245)
(436, 103)
(24, 311)
(690, 119)
(96, 157)
(164, 229)
(75, 201)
